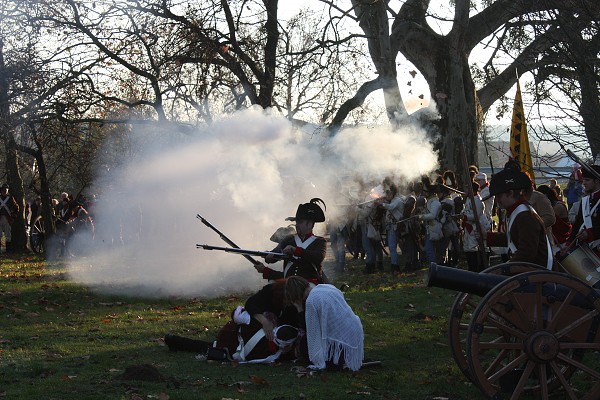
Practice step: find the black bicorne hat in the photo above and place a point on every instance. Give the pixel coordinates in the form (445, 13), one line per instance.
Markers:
(508, 179)
(310, 211)
(588, 174)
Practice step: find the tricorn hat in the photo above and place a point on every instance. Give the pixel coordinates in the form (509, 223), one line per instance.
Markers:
(508, 179)
(310, 211)
(590, 175)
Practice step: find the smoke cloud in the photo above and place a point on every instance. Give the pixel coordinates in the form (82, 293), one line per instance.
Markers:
(245, 174)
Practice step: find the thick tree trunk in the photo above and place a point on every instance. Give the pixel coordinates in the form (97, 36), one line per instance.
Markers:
(18, 233)
(443, 61)
(267, 83)
(373, 20)
(47, 214)
(590, 105)
(454, 94)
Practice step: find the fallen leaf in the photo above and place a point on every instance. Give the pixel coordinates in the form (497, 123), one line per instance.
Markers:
(257, 380)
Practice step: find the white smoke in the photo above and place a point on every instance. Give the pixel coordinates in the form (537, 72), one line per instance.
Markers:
(245, 174)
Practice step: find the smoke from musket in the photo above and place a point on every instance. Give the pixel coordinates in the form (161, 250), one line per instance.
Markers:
(245, 174)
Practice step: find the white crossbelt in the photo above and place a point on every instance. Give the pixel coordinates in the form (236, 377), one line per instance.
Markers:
(303, 245)
(586, 213)
(511, 245)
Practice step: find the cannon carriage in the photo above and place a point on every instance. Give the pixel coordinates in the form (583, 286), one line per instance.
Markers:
(519, 331)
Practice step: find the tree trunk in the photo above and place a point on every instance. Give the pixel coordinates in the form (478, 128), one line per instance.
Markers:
(18, 232)
(267, 83)
(373, 20)
(454, 94)
(443, 61)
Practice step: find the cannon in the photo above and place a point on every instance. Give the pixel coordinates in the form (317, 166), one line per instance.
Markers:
(519, 331)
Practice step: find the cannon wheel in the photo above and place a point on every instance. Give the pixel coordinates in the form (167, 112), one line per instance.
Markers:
(525, 338)
(37, 235)
(463, 307)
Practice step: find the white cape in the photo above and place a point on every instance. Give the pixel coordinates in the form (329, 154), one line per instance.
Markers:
(332, 329)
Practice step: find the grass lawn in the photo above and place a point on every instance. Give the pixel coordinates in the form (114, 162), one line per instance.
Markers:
(59, 340)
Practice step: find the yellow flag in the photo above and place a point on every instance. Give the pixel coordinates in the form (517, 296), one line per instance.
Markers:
(519, 142)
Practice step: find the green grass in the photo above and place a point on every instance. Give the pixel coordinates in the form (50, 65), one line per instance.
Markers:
(59, 340)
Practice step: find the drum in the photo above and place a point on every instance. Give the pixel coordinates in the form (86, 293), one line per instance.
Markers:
(582, 263)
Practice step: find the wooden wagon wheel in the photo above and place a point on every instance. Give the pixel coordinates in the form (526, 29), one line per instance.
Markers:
(463, 307)
(37, 235)
(545, 338)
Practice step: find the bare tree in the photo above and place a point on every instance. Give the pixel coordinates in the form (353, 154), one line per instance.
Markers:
(443, 59)
(34, 74)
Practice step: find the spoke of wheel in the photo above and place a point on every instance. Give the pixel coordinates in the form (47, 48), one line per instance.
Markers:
(565, 384)
(579, 365)
(576, 323)
(557, 313)
(519, 309)
(496, 362)
(543, 376)
(500, 323)
(521, 384)
(500, 346)
(463, 327)
(569, 345)
(509, 367)
(538, 310)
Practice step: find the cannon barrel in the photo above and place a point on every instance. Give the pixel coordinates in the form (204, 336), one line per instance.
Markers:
(461, 280)
(482, 283)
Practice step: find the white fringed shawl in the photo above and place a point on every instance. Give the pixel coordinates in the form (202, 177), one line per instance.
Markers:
(332, 329)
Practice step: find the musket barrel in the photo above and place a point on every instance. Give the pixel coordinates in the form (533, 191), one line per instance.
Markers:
(461, 280)
(243, 252)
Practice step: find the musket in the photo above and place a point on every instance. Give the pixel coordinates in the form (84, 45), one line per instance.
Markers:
(226, 239)
(244, 252)
(471, 195)
(407, 219)
(453, 189)
(366, 202)
(586, 166)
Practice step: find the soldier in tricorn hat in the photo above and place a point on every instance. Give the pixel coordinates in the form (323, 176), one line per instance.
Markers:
(525, 234)
(306, 250)
(587, 223)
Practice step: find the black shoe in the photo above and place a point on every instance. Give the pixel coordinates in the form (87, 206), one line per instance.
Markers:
(180, 343)
(369, 269)
(170, 341)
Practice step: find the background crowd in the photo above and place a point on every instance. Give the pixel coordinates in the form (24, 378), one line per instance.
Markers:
(436, 220)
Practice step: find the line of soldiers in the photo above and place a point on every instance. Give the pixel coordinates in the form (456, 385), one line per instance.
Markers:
(435, 221)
